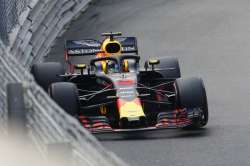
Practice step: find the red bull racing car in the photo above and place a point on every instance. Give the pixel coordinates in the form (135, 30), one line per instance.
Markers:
(105, 88)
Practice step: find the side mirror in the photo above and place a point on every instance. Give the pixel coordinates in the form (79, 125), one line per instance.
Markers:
(80, 67)
(153, 62)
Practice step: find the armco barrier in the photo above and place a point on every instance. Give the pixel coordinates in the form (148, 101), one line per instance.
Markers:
(47, 123)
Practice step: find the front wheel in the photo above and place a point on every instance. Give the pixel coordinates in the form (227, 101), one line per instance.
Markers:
(66, 95)
(191, 94)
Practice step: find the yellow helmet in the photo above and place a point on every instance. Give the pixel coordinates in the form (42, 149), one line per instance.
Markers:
(111, 47)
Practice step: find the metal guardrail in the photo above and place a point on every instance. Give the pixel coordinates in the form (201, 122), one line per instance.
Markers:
(47, 123)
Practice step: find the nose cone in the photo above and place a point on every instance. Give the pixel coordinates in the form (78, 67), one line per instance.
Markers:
(131, 110)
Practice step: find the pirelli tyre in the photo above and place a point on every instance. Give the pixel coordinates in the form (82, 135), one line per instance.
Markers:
(191, 93)
(65, 94)
(169, 67)
(47, 73)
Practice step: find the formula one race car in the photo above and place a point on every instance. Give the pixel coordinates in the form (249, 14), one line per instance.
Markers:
(107, 91)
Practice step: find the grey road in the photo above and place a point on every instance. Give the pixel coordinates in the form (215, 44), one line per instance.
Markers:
(211, 38)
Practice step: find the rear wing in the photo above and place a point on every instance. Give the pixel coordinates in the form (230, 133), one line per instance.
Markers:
(92, 47)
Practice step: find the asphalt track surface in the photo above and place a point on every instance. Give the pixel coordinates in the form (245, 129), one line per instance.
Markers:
(211, 38)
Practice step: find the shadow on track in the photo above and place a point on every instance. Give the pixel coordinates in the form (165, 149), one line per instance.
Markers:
(156, 135)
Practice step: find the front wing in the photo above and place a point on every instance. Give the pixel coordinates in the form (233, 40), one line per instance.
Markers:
(177, 119)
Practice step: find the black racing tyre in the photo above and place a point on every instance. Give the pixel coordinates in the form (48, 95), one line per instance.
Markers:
(169, 67)
(66, 95)
(191, 93)
(47, 73)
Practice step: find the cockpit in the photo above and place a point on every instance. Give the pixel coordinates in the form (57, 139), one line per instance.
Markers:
(118, 64)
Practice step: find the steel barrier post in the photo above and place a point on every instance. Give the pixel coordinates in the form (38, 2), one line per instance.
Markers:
(16, 110)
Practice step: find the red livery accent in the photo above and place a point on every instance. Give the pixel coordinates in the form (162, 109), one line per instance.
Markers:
(126, 82)
(120, 103)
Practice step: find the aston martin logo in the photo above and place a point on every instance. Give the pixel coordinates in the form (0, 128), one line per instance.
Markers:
(89, 43)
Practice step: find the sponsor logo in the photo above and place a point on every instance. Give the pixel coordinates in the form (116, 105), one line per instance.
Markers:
(83, 51)
(129, 48)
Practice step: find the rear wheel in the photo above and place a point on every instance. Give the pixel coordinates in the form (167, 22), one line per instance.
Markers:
(47, 73)
(191, 94)
(66, 95)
